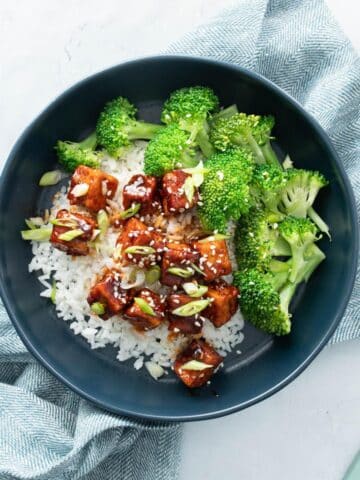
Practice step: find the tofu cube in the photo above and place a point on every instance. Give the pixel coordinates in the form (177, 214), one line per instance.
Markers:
(214, 258)
(136, 234)
(173, 194)
(179, 255)
(142, 320)
(224, 302)
(72, 221)
(91, 188)
(108, 292)
(202, 352)
(140, 189)
(178, 324)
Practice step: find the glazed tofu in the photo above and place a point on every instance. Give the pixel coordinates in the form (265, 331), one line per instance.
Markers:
(178, 255)
(66, 223)
(214, 258)
(178, 324)
(200, 351)
(142, 320)
(224, 302)
(91, 188)
(173, 194)
(140, 189)
(108, 292)
(136, 234)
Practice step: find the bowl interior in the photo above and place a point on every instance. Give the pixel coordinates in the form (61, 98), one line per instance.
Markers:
(264, 364)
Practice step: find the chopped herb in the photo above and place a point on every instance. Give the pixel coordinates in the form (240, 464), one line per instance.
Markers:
(152, 275)
(103, 222)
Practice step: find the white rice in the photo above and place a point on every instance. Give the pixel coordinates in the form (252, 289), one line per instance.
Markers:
(75, 275)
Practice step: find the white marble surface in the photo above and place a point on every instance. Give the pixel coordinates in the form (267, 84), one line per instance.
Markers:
(310, 430)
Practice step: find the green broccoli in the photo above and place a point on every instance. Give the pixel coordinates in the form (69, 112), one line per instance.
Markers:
(224, 113)
(267, 184)
(262, 304)
(168, 150)
(300, 233)
(252, 131)
(225, 190)
(257, 241)
(298, 196)
(117, 126)
(190, 108)
(72, 154)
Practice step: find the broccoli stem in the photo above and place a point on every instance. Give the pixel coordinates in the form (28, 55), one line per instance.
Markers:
(297, 263)
(143, 130)
(226, 112)
(319, 222)
(314, 256)
(270, 155)
(202, 140)
(89, 142)
(188, 161)
(259, 156)
(281, 248)
(286, 295)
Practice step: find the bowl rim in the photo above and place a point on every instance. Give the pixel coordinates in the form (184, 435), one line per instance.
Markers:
(350, 277)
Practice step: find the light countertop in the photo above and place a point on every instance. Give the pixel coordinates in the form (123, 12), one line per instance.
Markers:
(308, 431)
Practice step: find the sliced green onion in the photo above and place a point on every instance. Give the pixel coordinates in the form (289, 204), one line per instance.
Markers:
(30, 224)
(194, 290)
(64, 222)
(130, 212)
(98, 308)
(195, 365)
(80, 190)
(38, 235)
(37, 221)
(191, 308)
(181, 272)
(50, 178)
(197, 269)
(152, 275)
(103, 222)
(140, 249)
(53, 292)
(189, 189)
(144, 306)
(70, 235)
(213, 238)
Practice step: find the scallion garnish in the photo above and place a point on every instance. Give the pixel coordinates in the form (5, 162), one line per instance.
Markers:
(38, 234)
(98, 308)
(181, 272)
(50, 178)
(213, 238)
(195, 365)
(152, 275)
(191, 308)
(130, 212)
(194, 290)
(103, 222)
(144, 306)
(70, 235)
(140, 250)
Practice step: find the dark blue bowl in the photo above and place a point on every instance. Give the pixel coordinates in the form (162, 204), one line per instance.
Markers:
(266, 364)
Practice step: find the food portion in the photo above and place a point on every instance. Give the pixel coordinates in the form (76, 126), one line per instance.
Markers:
(164, 235)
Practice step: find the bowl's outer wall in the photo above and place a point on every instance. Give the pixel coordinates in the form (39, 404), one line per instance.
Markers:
(264, 365)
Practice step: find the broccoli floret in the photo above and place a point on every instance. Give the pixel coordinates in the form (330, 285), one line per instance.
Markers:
(262, 304)
(168, 150)
(253, 131)
(72, 154)
(190, 108)
(300, 233)
(298, 196)
(225, 190)
(257, 241)
(267, 184)
(117, 126)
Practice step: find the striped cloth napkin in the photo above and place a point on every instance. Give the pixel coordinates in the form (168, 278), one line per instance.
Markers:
(49, 433)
